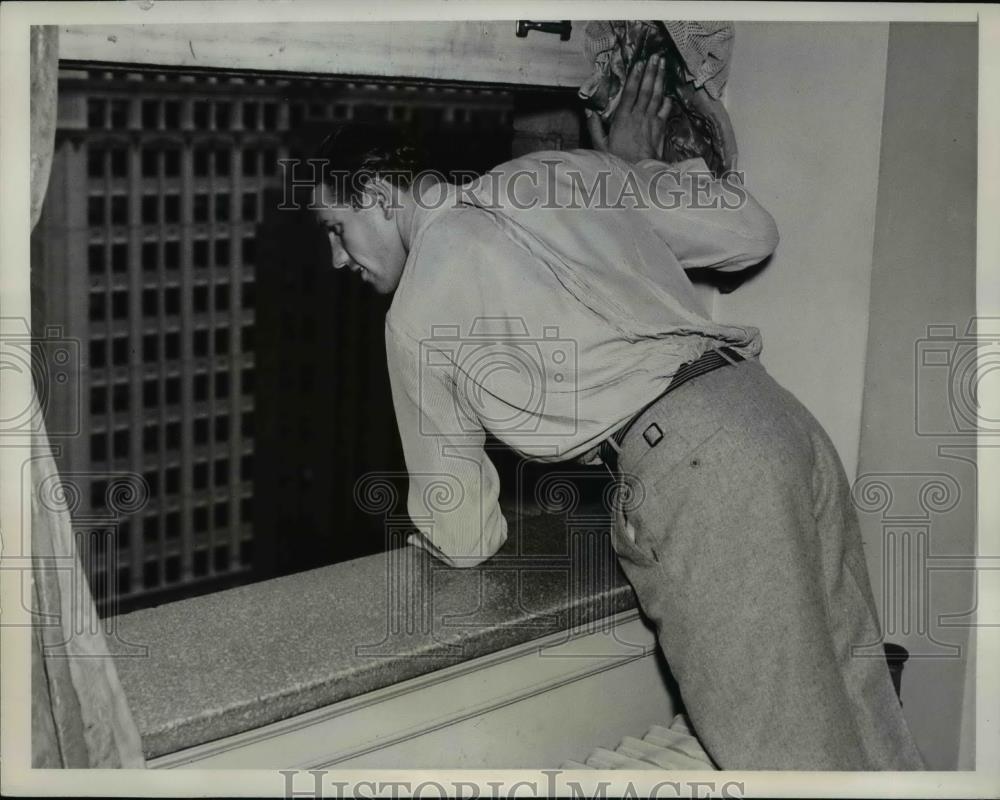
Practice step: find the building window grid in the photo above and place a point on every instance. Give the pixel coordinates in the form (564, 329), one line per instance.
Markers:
(228, 551)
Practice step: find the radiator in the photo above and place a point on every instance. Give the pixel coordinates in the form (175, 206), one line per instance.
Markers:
(674, 747)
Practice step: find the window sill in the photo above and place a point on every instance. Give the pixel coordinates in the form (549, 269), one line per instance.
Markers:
(214, 666)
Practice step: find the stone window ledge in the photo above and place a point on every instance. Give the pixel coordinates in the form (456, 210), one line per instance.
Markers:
(209, 667)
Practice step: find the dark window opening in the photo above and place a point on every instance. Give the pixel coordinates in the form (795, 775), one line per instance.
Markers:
(150, 393)
(119, 351)
(172, 390)
(172, 569)
(221, 341)
(199, 115)
(122, 442)
(172, 300)
(200, 519)
(150, 209)
(119, 257)
(172, 209)
(120, 397)
(119, 114)
(98, 399)
(119, 210)
(150, 439)
(150, 302)
(173, 435)
(249, 210)
(172, 163)
(98, 307)
(220, 192)
(249, 162)
(199, 299)
(222, 297)
(200, 387)
(97, 111)
(150, 256)
(201, 431)
(222, 116)
(171, 254)
(150, 114)
(171, 115)
(95, 211)
(250, 116)
(119, 306)
(150, 163)
(151, 574)
(199, 475)
(150, 347)
(95, 259)
(172, 345)
(119, 163)
(201, 163)
(151, 529)
(222, 428)
(199, 253)
(222, 158)
(199, 342)
(222, 208)
(221, 252)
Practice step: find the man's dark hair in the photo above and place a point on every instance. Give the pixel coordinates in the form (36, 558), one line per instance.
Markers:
(354, 153)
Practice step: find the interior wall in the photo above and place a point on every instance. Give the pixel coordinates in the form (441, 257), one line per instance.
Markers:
(924, 274)
(806, 104)
(863, 147)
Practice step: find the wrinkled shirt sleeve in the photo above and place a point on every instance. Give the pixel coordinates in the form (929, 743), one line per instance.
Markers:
(706, 222)
(454, 488)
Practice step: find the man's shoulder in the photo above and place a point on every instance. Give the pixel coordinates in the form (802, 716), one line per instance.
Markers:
(443, 269)
(549, 160)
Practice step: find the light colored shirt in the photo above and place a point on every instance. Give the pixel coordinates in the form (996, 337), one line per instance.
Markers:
(549, 319)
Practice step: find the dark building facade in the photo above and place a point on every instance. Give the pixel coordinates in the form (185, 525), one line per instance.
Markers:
(232, 387)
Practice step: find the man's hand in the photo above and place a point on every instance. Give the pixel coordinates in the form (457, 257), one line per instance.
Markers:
(640, 120)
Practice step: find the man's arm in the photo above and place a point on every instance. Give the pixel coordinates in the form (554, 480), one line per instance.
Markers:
(453, 485)
(706, 222)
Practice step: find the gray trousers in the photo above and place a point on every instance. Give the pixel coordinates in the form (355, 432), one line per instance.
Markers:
(738, 533)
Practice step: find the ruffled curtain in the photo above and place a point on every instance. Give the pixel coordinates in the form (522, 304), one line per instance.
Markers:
(79, 715)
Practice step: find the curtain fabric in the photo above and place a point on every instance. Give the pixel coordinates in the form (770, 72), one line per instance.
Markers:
(79, 714)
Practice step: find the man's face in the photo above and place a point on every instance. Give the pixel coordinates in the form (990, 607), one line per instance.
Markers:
(366, 240)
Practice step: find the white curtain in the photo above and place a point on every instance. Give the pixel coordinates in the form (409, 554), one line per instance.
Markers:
(79, 714)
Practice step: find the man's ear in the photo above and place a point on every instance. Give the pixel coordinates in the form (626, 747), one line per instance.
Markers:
(383, 193)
